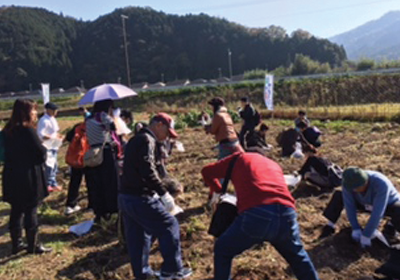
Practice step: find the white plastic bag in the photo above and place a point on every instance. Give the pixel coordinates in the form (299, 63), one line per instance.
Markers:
(298, 153)
(292, 180)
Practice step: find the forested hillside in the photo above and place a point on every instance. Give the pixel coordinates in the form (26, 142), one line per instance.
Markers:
(39, 46)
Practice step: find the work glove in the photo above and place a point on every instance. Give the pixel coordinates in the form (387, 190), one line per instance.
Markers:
(365, 242)
(214, 201)
(356, 235)
(168, 202)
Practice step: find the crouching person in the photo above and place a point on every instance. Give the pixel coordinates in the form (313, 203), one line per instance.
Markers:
(367, 191)
(266, 213)
(145, 214)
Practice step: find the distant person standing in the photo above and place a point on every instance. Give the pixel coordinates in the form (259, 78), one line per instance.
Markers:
(250, 117)
(24, 185)
(47, 130)
(127, 117)
(302, 117)
(74, 158)
(222, 128)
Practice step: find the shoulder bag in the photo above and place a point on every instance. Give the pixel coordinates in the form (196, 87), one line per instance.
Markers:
(226, 211)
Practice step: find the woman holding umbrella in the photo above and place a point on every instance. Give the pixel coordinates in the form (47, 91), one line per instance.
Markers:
(100, 131)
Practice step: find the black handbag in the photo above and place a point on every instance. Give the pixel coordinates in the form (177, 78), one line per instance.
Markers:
(226, 212)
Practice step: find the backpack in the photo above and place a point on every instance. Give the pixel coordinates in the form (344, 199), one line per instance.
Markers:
(335, 175)
(2, 147)
(257, 117)
(78, 147)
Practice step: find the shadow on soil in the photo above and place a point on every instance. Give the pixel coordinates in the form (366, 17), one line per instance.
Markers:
(101, 264)
(339, 251)
(188, 213)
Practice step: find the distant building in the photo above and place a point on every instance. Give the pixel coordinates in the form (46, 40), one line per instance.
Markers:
(142, 85)
(199, 82)
(178, 83)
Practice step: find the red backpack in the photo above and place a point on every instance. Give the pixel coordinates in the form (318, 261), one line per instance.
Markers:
(78, 147)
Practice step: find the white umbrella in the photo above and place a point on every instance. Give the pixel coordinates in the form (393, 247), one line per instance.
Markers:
(106, 91)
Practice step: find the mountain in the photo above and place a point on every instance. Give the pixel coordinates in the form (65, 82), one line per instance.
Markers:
(377, 39)
(40, 46)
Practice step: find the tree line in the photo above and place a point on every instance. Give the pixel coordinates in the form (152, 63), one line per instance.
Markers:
(40, 46)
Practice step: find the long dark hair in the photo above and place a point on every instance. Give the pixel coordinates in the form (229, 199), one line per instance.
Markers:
(21, 115)
(103, 106)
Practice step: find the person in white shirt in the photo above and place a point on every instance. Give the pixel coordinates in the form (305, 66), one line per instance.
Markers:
(47, 130)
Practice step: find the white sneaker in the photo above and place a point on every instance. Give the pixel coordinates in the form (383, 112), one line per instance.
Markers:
(71, 210)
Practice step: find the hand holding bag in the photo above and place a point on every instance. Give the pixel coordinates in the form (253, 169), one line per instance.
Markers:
(226, 211)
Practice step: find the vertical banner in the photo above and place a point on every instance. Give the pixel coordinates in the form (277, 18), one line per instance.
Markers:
(46, 93)
(269, 92)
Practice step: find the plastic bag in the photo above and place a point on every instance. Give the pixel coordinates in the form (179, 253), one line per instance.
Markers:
(81, 228)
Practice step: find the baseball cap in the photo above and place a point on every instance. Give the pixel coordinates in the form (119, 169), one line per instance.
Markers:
(354, 177)
(168, 121)
(51, 106)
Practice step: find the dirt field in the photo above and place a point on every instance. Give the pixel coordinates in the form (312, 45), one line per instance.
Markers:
(98, 255)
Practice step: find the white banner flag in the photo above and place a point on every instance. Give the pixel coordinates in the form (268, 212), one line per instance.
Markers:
(269, 92)
(46, 93)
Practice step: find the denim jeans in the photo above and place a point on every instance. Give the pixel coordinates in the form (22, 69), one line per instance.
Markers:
(145, 217)
(226, 149)
(276, 224)
(51, 172)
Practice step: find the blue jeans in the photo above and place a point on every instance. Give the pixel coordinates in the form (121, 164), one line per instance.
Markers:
(276, 224)
(145, 217)
(226, 149)
(51, 172)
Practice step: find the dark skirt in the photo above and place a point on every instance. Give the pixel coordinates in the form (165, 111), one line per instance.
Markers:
(104, 182)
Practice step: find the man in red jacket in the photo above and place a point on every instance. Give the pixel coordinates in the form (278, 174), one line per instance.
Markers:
(266, 213)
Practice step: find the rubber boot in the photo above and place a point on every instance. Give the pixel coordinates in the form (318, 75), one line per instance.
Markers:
(34, 247)
(16, 241)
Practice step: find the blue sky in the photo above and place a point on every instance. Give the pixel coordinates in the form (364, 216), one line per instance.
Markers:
(323, 18)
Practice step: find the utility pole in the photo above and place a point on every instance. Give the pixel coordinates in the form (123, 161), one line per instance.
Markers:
(230, 63)
(128, 71)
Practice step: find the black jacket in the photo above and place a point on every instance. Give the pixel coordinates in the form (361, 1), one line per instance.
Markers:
(319, 164)
(255, 139)
(24, 182)
(287, 140)
(248, 115)
(141, 173)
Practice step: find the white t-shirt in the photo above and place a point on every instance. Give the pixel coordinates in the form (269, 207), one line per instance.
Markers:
(48, 126)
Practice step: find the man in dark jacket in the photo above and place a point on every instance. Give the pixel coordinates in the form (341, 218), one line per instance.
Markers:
(248, 114)
(309, 134)
(146, 205)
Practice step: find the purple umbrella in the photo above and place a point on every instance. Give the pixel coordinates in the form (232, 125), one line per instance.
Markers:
(106, 91)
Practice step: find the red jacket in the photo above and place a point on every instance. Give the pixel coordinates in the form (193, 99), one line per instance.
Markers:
(257, 180)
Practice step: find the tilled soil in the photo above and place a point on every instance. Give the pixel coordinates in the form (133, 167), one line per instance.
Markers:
(99, 256)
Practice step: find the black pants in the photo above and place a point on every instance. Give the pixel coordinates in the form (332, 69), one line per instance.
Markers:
(25, 213)
(105, 182)
(74, 184)
(245, 129)
(335, 206)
